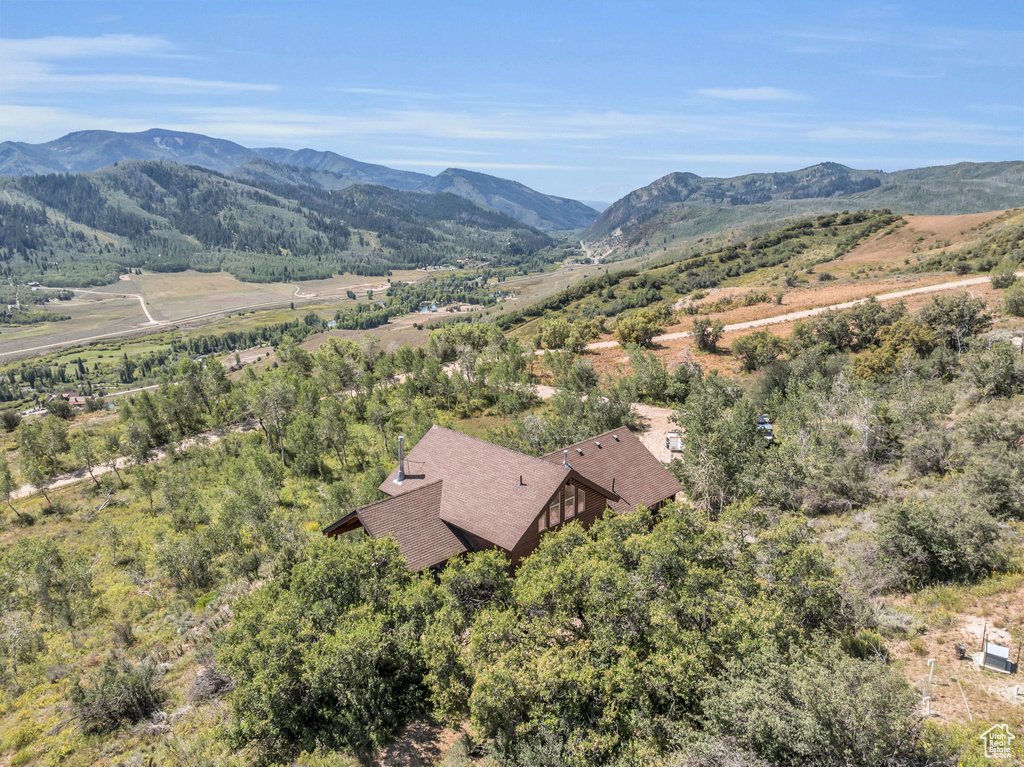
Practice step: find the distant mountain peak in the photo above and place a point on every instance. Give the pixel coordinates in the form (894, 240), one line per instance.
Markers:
(89, 150)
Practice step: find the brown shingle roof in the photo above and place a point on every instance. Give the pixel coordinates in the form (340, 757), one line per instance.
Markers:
(482, 493)
(413, 520)
(639, 478)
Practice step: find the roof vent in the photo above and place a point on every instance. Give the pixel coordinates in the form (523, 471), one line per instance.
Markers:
(598, 444)
(615, 437)
(579, 450)
(401, 463)
(521, 483)
(565, 459)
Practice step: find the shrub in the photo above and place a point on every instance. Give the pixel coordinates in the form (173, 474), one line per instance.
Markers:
(757, 350)
(785, 712)
(1013, 302)
(865, 645)
(707, 334)
(638, 328)
(1003, 280)
(938, 542)
(10, 420)
(122, 693)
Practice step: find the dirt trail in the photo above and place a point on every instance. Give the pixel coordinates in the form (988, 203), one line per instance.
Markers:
(803, 314)
(205, 439)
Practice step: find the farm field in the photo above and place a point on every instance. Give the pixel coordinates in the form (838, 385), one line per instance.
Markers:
(174, 298)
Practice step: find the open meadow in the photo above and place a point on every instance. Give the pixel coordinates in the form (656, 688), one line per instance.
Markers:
(176, 299)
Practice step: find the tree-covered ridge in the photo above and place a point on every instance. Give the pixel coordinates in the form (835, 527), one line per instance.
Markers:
(85, 151)
(86, 229)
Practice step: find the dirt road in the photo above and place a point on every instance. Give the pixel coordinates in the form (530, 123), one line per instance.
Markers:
(182, 320)
(205, 439)
(791, 316)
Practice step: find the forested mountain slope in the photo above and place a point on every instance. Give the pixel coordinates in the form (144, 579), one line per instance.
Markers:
(543, 211)
(87, 229)
(267, 171)
(86, 151)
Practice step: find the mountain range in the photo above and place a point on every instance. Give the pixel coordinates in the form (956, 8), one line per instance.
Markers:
(684, 205)
(675, 207)
(85, 151)
(88, 228)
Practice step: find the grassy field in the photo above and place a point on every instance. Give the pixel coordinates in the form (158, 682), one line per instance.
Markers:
(180, 298)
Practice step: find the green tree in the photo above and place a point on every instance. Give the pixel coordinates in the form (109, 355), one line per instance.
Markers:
(329, 655)
(7, 488)
(816, 710)
(757, 350)
(938, 540)
(956, 318)
(638, 328)
(707, 334)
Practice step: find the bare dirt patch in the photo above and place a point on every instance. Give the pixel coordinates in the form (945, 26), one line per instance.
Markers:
(959, 685)
(419, 744)
(921, 234)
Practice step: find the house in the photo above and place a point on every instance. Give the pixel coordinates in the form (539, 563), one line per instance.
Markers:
(454, 493)
(74, 399)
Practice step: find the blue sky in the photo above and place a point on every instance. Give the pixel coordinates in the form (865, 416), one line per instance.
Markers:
(588, 100)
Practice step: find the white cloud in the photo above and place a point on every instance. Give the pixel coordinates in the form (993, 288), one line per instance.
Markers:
(259, 124)
(774, 160)
(919, 131)
(476, 164)
(35, 124)
(30, 65)
(47, 48)
(762, 93)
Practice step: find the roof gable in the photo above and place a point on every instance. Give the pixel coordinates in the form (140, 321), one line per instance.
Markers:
(413, 520)
(619, 461)
(489, 491)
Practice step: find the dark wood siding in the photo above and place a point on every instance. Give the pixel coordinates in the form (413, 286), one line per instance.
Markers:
(594, 508)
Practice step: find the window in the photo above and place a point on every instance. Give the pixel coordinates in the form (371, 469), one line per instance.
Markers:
(554, 510)
(570, 501)
(581, 500)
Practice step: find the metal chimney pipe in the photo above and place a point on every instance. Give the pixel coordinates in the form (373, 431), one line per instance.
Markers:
(401, 461)
(565, 459)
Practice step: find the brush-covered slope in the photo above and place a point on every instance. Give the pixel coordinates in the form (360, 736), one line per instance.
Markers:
(687, 205)
(543, 211)
(88, 228)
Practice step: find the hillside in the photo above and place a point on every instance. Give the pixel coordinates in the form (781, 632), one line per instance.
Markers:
(68, 230)
(175, 560)
(684, 205)
(90, 150)
(86, 151)
(360, 172)
(269, 172)
(543, 211)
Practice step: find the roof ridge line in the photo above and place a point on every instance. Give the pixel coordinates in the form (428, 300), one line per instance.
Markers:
(590, 439)
(400, 495)
(491, 444)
